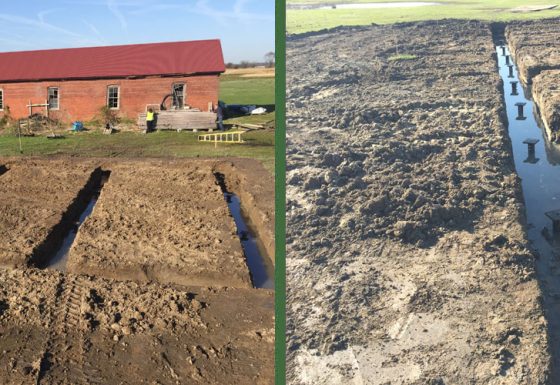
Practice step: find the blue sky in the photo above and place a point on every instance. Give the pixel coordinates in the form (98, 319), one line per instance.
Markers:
(246, 27)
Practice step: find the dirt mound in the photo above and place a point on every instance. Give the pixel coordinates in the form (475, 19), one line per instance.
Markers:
(547, 97)
(533, 46)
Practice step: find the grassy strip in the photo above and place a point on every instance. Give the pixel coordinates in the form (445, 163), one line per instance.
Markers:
(252, 119)
(402, 57)
(259, 145)
(300, 21)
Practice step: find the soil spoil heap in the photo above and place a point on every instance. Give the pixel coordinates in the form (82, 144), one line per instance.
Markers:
(534, 46)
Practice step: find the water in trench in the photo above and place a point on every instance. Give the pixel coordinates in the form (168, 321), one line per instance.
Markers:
(60, 258)
(262, 273)
(540, 180)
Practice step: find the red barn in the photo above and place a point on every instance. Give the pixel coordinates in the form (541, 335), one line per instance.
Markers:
(76, 83)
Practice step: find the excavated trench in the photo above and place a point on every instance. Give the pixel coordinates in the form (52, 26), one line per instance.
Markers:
(538, 165)
(53, 253)
(262, 275)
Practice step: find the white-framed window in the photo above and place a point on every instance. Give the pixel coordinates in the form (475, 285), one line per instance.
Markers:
(178, 92)
(113, 93)
(53, 98)
(1, 99)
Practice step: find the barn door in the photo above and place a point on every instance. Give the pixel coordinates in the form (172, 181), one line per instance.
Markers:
(178, 92)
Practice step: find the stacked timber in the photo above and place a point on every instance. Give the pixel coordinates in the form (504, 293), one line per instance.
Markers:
(181, 120)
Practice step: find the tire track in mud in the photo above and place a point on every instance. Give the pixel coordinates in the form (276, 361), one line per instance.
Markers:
(64, 354)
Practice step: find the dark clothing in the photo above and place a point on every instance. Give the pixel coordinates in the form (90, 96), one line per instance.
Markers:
(151, 125)
(220, 116)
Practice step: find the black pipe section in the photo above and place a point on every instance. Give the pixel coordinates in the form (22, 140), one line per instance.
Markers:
(531, 142)
(554, 216)
(514, 88)
(3, 169)
(45, 251)
(520, 115)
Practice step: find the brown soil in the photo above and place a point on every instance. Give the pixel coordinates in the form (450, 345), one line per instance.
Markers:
(34, 199)
(546, 93)
(249, 180)
(407, 261)
(534, 47)
(67, 328)
(162, 221)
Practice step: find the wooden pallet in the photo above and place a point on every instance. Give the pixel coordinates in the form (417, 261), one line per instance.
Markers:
(181, 120)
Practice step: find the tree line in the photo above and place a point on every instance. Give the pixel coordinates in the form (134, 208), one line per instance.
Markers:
(268, 62)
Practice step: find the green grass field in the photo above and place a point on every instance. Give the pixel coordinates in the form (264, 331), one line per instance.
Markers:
(252, 119)
(299, 21)
(246, 90)
(259, 145)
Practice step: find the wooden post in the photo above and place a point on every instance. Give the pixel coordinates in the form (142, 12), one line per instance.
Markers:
(19, 137)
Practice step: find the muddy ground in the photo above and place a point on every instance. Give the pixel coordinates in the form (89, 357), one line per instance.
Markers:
(70, 329)
(66, 328)
(252, 184)
(30, 208)
(546, 93)
(407, 259)
(534, 47)
(533, 44)
(164, 221)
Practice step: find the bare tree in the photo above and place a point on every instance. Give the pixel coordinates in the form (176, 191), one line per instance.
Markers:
(269, 59)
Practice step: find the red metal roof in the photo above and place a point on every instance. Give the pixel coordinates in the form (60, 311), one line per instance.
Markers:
(188, 57)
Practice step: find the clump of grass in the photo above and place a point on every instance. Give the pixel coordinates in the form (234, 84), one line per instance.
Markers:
(6, 120)
(402, 57)
(106, 115)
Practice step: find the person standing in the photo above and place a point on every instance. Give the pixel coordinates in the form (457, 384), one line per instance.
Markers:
(150, 120)
(220, 116)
